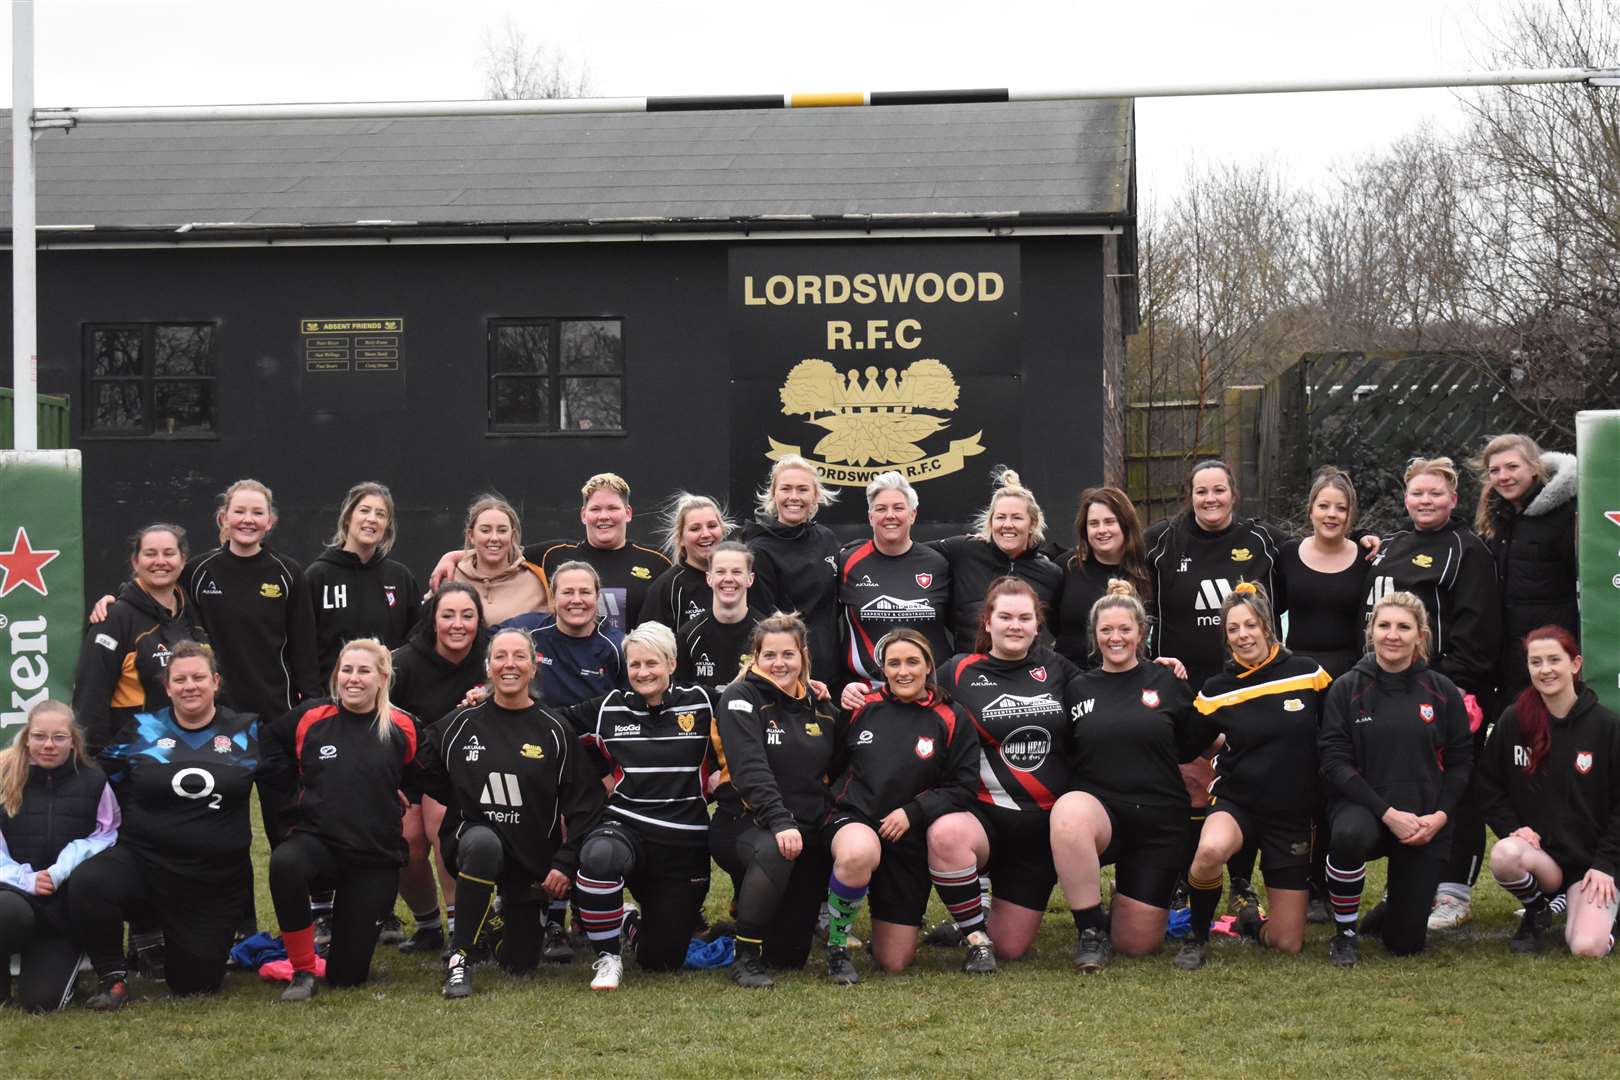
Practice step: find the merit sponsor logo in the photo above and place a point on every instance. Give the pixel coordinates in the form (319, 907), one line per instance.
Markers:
(501, 789)
(1026, 749)
(1211, 592)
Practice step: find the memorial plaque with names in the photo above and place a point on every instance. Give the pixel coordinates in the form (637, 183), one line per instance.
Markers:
(362, 344)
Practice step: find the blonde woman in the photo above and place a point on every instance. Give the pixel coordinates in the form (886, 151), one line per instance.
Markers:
(56, 811)
(492, 562)
(795, 557)
(1005, 541)
(694, 525)
(355, 589)
(351, 753)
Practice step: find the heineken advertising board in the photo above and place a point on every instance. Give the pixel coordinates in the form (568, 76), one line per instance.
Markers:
(41, 580)
(870, 357)
(1597, 445)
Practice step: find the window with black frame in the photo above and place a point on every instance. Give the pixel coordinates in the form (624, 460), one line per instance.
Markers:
(150, 379)
(556, 375)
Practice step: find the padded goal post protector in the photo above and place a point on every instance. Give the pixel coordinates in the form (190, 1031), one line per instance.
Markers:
(1597, 445)
(42, 614)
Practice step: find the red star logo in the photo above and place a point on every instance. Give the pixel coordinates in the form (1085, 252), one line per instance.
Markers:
(22, 565)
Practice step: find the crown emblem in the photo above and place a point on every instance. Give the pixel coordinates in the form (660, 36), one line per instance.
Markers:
(871, 416)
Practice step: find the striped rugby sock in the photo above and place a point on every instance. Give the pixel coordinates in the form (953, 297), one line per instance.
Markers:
(959, 892)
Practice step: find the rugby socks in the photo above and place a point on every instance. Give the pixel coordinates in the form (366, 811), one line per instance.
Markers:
(959, 892)
(478, 896)
(1091, 918)
(601, 909)
(1524, 889)
(1344, 893)
(557, 912)
(1203, 897)
(300, 947)
(427, 920)
(320, 906)
(843, 904)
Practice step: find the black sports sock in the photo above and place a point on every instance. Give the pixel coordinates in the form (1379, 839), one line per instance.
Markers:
(478, 896)
(1203, 897)
(1091, 918)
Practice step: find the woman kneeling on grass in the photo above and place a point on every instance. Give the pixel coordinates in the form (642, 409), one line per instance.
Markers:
(1131, 728)
(913, 760)
(1395, 754)
(352, 753)
(1267, 704)
(1549, 781)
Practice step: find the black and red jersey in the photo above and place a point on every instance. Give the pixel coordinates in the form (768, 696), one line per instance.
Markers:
(881, 592)
(919, 756)
(660, 756)
(1129, 731)
(1020, 709)
(348, 777)
(519, 772)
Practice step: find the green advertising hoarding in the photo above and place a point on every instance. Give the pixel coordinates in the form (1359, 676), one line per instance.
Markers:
(1597, 444)
(41, 580)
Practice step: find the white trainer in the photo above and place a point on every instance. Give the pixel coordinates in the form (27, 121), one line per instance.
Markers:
(1449, 913)
(609, 969)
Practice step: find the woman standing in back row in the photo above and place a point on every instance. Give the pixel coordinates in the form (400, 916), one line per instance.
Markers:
(355, 589)
(795, 558)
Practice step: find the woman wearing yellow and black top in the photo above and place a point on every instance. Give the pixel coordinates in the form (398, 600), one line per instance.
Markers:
(1267, 705)
(778, 747)
(122, 663)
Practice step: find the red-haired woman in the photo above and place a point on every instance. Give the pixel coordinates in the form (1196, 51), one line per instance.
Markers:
(1549, 781)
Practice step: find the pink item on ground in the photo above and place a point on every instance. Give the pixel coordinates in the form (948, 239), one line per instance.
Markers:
(282, 970)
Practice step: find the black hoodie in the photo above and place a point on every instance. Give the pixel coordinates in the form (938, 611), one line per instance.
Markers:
(796, 569)
(1534, 552)
(777, 754)
(124, 659)
(1451, 571)
(975, 563)
(1573, 798)
(1396, 739)
(353, 599)
(428, 686)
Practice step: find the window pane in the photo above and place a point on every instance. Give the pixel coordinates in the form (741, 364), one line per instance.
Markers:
(523, 348)
(116, 352)
(591, 347)
(117, 406)
(592, 404)
(182, 350)
(521, 402)
(183, 406)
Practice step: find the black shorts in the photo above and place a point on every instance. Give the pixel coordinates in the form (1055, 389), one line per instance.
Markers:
(1284, 841)
(901, 883)
(1020, 867)
(1148, 848)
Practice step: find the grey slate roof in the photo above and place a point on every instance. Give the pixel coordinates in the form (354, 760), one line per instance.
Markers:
(1055, 162)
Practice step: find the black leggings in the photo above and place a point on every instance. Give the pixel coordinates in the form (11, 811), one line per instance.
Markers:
(478, 859)
(198, 919)
(50, 957)
(668, 880)
(1468, 828)
(365, 894)
(1413, 872)
(779, 899)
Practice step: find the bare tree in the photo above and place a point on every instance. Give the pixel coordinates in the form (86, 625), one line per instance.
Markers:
(514, 68)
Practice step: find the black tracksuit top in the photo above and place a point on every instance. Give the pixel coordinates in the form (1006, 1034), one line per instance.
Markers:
(257, 615)
(348, 779)
(919, 756)
(1396, 739)
(185, 795)
(796, 570)
(353, 599)
(1450, 569)
(777, 754)
(660, 758)
(1020, 709)
(626, 573)
(124, 660)
(677, 596)
(881, 592)
(1271, 716)
(518, 772)
(428, 686)
(711, 652)
(1572, 799)
(1193, 570)
(1084, 583)
(1128, 733)
(975, 564)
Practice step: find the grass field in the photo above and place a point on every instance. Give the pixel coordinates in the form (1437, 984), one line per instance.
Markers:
(1467, 1008)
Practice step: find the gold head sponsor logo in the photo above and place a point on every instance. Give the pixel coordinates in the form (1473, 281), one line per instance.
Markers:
(529, 750)
(875, 420)
(270, 590)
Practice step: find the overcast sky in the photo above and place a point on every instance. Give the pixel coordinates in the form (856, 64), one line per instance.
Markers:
(129, 52)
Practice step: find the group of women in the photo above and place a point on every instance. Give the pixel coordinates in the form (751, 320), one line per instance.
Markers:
(999, 711)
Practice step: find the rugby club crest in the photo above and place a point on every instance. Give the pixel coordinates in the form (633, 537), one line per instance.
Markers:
(1583, 762)
(925, 746)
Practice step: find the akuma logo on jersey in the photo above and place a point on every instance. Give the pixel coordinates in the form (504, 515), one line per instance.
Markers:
(895, 609)
(866, 582)
(983, 680)
(473, 748)
(874, 416)
(1026, 749)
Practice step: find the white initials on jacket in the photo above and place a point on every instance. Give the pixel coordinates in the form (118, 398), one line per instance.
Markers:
(334, 597)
